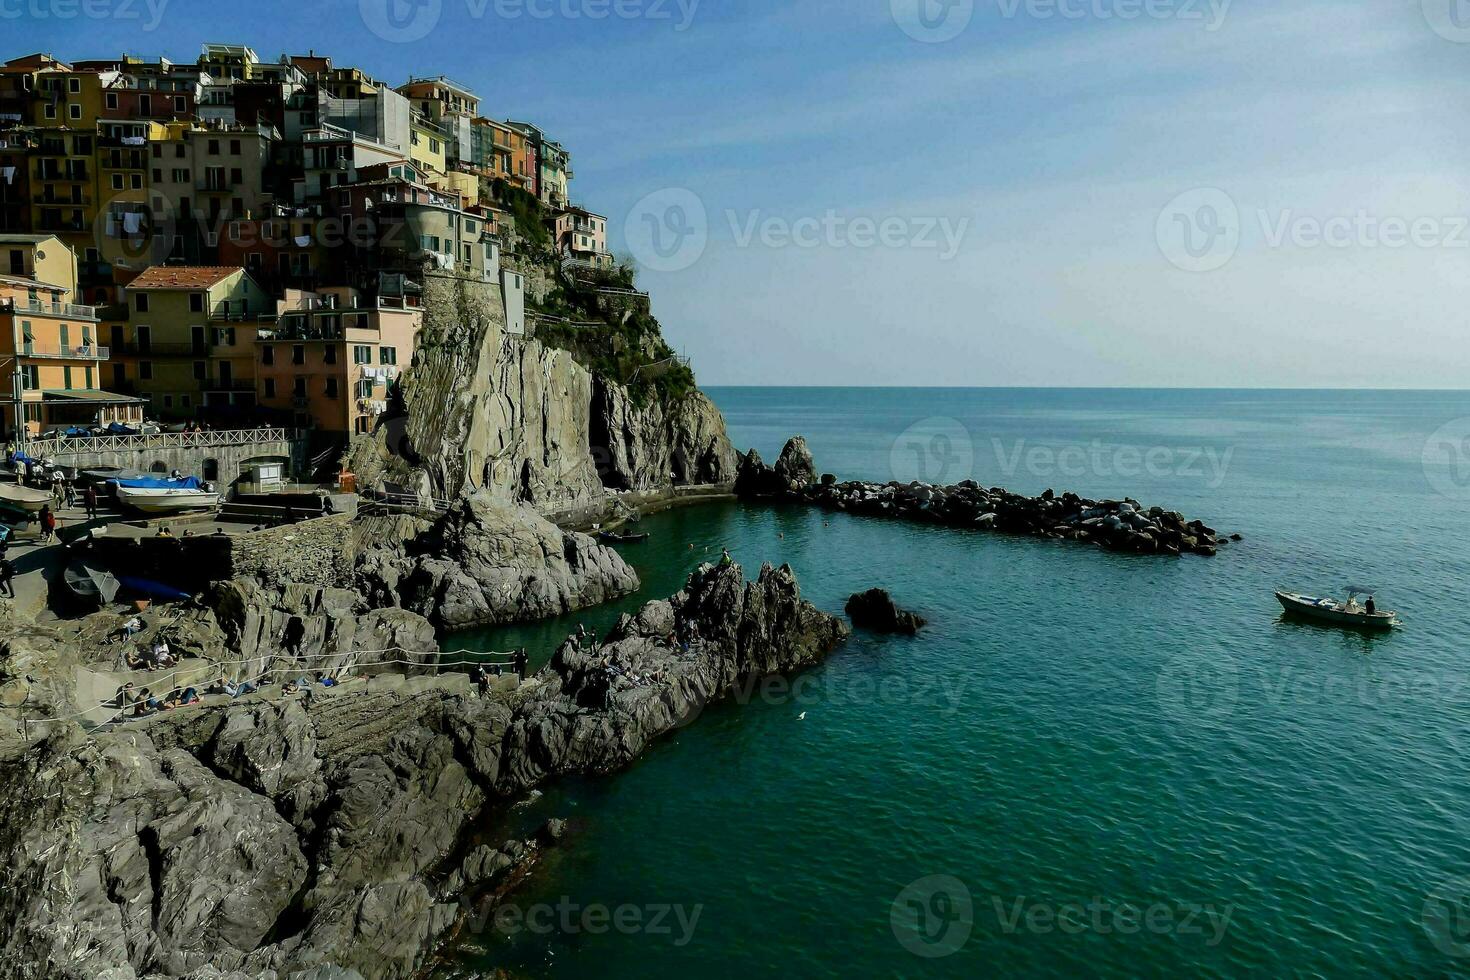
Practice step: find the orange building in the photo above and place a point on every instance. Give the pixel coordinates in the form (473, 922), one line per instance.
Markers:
(332, 356)
(49, 348)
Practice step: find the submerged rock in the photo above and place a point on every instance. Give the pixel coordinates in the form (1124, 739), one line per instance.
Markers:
(875, 610)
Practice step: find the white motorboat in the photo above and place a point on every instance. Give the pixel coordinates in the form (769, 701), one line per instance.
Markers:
(167, 500)
(25, 498)
(1349, 613)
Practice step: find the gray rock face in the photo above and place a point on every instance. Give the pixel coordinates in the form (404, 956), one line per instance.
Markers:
(608, 703)
(643, 448)
(270, 838)
(488, 561)
(795, 468)
(495, 412)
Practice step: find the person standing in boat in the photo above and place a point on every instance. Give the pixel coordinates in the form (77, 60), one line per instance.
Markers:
(1371, 606)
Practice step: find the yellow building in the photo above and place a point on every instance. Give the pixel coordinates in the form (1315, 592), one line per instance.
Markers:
(49, 350)
(234, 61)
(42, 257)
(426, 144)
(189, 342)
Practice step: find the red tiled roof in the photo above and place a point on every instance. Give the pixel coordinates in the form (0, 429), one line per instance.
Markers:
(182, 276)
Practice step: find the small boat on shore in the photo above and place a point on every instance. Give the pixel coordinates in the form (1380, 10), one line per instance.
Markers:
(87, 581)
(1349, 613)
(24, 498)
(610, 537)
(166, 500)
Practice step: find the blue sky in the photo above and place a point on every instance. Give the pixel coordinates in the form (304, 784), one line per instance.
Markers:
(866, 199)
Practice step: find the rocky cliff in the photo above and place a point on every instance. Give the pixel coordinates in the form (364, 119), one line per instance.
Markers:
(270, 837)
(487, 410)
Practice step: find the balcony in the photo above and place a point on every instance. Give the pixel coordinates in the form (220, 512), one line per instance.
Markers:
(87, 352)
(69, 310)
(212, 185)
(48, 198)
(75, 175)
(234, 384)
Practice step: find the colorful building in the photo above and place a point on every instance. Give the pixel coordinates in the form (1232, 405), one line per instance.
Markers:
(189, 341)
(582, 236)
(331, 356)
(49, 349)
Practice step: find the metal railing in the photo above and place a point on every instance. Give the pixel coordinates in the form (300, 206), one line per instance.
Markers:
(53, 309)
(84, 352)
(209, 439)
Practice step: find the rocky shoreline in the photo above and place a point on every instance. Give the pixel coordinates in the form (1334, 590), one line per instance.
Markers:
(307, 837)
(1116, 525)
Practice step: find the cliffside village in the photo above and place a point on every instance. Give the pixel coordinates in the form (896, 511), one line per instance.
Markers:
(236, 242)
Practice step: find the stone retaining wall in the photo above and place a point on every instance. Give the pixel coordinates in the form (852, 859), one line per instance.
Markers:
(310, 552)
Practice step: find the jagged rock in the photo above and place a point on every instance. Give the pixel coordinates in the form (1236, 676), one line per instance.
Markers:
(875, 610)
(553, 831)
(605, 705)
(266, 838)
(489, 562)
(486, 410)
(795, 468)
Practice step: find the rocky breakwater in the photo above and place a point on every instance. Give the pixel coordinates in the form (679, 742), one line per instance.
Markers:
(1118, 525)
(275, 838)
(488, 561)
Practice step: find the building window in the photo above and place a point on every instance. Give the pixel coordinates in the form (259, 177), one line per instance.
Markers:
(214, 148)
(270, 387)
(180, 103)
(298, 354)
(387, 355)
(145, 370)
(66, 378)
(299, 388)
(157, 151)
(196, 302)
(329, 354)
(74, 85)
(211, 469)
(74, 110)
(117, 182)
(141, 302)
(168, 402)
(31, 377)
(365, 388)
(331, 387)
(362, 354)
(184, 401)
(234, 147)
(267, 354)
(201, 370)
(88, 375)
(112, 100)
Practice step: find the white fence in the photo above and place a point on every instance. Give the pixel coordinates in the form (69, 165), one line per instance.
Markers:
(55, 446)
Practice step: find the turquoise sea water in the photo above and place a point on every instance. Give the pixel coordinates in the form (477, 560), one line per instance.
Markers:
(1076, 734)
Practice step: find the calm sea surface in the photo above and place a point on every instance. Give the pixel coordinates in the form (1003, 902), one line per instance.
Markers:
(1088, 764)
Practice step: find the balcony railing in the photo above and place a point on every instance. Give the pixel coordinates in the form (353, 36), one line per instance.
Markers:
(85, 352)
(70, 310)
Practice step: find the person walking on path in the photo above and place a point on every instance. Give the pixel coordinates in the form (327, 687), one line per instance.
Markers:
(7, 577)
(48, 523)
(90, 499)
(520, 663)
